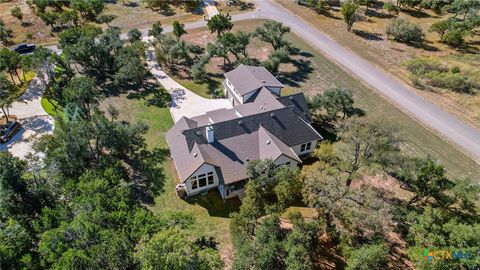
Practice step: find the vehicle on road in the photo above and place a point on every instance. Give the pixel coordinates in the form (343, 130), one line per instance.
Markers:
(24, 48)
(9, 130)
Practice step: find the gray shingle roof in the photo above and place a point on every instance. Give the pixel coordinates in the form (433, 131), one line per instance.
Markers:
(246, 79)
(237, 141)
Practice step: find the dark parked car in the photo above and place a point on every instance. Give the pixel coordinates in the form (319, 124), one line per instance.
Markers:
(24, 48)
(9, 130)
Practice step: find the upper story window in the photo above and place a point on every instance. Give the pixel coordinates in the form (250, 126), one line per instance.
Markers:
(306, 147)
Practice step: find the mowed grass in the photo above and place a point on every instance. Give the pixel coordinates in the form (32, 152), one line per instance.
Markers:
(202, 89)
(49, 106)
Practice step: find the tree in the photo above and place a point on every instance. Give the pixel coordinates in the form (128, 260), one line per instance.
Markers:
(273, 33)
(88, 9)
(17, 13)
(364, 144)
(26, 63)
(130, 67)
(463, 7)
(349, 215)
(276, 58)
(455, 37)
(15, 243)
(13, 190)
(426, 179)
(333, 101)
(374, 256)
(7, 95)
(441, 27)
(134, 35)
(10, 61)
(81, 92)
(403, 30)
(156, 31)
(49, 18)
(171, 249)
(391, 8)
(178, 29)
(349, 13)
(106, 19)
(5, 32)
(220, 23)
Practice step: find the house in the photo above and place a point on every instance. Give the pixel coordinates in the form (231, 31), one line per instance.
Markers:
(213, 150)
(244, 82)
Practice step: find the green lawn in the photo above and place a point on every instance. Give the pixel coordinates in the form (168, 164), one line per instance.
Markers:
(49, 106)
(202, 89)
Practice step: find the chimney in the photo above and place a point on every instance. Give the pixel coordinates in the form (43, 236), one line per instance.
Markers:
(209, 134)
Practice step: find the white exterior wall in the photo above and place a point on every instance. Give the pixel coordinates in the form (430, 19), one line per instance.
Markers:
(276, 90)
(297, 148)
(232, 93)
(281, 160)
(204, 169)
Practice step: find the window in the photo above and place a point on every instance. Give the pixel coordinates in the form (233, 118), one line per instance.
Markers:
(287, 163)
(194, 183)
(306, 147)
(210, 178)
(202, 180)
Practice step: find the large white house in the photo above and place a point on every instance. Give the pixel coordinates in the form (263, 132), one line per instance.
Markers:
(212, 150)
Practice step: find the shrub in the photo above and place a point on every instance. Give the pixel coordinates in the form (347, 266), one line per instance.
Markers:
(404, 31)
(454, 38)
(453, 81)
(421, 66)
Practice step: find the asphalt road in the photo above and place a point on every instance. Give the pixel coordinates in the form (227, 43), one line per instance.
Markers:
(449, 127)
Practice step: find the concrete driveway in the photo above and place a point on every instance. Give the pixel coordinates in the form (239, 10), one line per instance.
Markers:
(34, 120)
(184, 102)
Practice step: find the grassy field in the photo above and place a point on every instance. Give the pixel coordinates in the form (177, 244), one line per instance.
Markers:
(48, 106)
(368, 40)
(202, 89)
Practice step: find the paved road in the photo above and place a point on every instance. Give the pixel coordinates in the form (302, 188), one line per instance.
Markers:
(447, 125)
(451, 128)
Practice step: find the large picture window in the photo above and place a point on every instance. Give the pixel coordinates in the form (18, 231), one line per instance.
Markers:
(202, 180)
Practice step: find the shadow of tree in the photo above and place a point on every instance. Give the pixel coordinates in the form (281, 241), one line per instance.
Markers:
(301, 74)
(214, 204)
(368, 35)
(148, 178)
(416, 13)
(153, 94)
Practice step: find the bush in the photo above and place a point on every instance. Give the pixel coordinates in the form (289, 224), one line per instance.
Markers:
(453, 81)
(454, 38)
(421, 66)
(404, 31)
